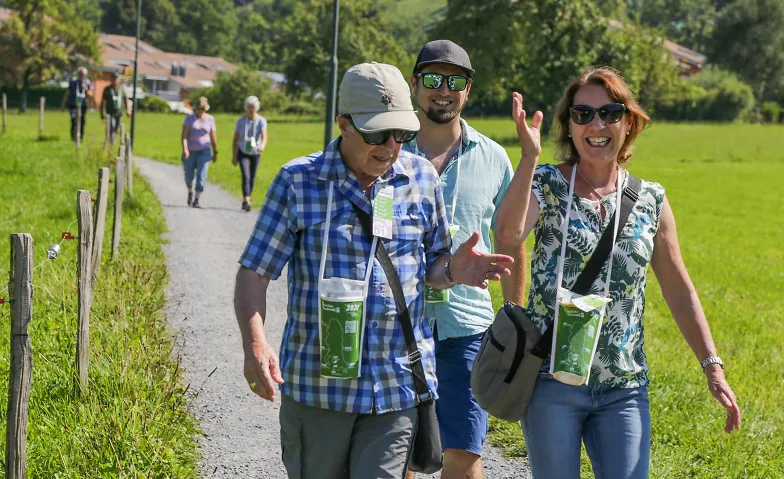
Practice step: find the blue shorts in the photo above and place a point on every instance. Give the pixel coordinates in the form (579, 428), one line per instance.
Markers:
(462, 422)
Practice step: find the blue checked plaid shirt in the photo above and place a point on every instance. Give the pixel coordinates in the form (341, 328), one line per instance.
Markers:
(290, 230)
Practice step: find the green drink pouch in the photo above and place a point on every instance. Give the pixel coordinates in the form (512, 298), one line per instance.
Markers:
(341, 338)
(576, 336)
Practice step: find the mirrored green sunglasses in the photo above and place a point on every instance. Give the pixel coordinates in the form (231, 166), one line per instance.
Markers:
(434, 81)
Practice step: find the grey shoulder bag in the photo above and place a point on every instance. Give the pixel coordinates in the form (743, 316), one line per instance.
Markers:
(426, 454)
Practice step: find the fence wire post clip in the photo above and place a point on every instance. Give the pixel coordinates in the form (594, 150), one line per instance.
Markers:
(53, 252)
(67, 235)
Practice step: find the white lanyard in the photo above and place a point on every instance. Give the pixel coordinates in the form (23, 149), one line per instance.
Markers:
(325, 247)
(249, 123)
(457, 176)
(565, 233)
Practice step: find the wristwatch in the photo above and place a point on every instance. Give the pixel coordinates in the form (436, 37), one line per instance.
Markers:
(448, 273)
(711, 360)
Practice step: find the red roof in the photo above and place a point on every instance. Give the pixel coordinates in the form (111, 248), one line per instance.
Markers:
(200, 71)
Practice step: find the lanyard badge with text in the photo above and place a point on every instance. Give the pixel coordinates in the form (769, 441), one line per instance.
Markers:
(342, 314)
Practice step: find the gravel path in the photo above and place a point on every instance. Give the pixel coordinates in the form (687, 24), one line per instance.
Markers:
(241, 432)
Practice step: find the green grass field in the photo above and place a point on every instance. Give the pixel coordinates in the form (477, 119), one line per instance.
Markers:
(133, 421)
(723, 182)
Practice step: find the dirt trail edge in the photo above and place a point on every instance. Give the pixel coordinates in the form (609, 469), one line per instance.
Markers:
(241, 432)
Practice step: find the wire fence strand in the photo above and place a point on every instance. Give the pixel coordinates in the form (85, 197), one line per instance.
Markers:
(48, 257)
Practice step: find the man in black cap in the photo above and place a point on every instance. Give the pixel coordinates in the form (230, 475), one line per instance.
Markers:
(114, 102)
(475, 172)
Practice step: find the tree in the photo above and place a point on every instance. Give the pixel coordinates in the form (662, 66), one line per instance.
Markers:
(90, 10)
(749, 40)
(253, 44)
(639, 55)
(40, 40)
(206, 27)
(687, 22)
(305, 42)
(229, 91)
(410, 20)
(159, 18)
(535, 47)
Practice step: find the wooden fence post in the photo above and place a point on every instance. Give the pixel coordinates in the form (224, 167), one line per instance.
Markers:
(5, 111)
(100, 222)
(20, 374)
(121, 135)
(108, 134)
(119, 190)
(129, 164)
(78, 126)
(84, 215)
(41, 108)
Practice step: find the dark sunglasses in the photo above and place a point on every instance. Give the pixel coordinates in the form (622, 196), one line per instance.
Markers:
(434, 81)
(609, 113)
(381, 137)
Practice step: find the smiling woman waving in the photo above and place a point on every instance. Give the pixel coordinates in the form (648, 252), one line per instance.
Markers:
(594, 386)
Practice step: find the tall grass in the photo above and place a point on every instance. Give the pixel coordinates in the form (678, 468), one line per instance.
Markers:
(133, 421)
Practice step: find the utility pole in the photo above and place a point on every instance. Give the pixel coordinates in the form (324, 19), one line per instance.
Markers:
(333, 77)
(136, 69)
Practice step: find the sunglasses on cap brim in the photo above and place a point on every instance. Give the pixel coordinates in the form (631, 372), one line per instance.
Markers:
(609, 113)
(433, 81)
(381, 137)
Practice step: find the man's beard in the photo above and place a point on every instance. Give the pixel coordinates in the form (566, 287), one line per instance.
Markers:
(442, 117)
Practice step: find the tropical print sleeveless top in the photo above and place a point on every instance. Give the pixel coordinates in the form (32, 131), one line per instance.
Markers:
(620, 357)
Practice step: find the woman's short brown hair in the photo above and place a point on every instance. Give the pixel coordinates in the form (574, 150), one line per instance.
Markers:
(618, 91)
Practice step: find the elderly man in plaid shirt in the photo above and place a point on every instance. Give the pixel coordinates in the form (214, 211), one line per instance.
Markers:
(348, 406)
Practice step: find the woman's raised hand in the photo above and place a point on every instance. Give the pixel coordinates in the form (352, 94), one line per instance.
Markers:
(530, 135)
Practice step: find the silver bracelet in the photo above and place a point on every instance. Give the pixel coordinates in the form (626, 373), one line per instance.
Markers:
(711, 360)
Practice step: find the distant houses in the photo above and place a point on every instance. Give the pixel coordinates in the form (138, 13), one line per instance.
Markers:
(170, 76)
(689, 61)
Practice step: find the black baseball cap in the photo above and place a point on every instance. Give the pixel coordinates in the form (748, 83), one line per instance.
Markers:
(444, 51)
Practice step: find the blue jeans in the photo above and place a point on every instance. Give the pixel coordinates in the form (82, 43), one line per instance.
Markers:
(615, 424)
(197, 164)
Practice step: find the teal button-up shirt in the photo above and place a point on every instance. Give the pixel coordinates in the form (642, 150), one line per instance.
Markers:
(484, 175)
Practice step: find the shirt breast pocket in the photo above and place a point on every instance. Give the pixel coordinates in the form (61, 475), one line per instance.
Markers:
(341, 230)
(409, 232)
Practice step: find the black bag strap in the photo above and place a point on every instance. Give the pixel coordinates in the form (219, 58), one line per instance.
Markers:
(414, 355)
(603, 249)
